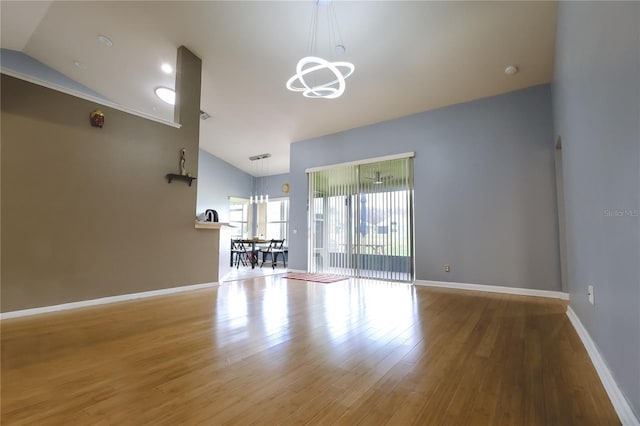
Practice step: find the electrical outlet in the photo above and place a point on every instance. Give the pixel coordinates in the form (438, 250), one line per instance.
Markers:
(447, 268)
(590, 295)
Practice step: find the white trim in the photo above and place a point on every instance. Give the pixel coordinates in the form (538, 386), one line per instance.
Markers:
(301, 271)
(365, 161)
(104, 300)
(620, 403)
(495, 289)
(85, 96)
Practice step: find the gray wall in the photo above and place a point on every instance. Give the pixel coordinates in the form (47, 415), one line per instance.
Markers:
(217, 181)
(596, 105)
(87, 212)
(484, 188)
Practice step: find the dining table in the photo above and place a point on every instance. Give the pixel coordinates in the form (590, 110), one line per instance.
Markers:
(253, 253)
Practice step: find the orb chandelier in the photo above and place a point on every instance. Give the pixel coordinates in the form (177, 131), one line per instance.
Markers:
(316, 77)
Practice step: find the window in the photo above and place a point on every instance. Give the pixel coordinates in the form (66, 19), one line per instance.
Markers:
(278, 219)
(239, 216)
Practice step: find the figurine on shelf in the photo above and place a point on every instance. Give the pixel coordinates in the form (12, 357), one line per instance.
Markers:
(183, 170)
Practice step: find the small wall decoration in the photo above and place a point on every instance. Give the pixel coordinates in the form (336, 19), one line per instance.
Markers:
(97, 118)
(285, 188)
(183, 170)
(187, 177)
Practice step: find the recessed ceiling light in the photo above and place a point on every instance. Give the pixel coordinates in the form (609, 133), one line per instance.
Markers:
(105, 40)
(167, 68)
(79, 64)
(167, 95)
(511, 70)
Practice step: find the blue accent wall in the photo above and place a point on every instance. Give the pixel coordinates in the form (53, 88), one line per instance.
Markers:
(26, 65)
(273, 185)
(596, 93)
(217, 181)
(485, 198)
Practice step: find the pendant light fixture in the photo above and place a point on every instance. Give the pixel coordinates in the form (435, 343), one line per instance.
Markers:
(316, 77)
(259, 193)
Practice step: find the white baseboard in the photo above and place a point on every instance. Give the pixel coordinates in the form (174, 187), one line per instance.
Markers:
(620, 403)
(302, 271)
(104, 300)
(495, 289)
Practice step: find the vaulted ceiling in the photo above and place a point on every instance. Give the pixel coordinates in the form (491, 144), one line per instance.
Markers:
(409, 57)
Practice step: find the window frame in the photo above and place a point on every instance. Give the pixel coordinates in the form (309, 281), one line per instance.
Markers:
(244, 230)
(284, 217)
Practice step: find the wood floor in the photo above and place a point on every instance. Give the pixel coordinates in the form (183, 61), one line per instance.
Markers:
(245, 272)
(276, 351)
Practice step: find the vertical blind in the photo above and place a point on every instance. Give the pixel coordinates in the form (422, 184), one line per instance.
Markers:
(361, 220)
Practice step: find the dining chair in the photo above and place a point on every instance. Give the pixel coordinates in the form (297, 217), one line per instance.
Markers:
(238, 253)
(275, 248)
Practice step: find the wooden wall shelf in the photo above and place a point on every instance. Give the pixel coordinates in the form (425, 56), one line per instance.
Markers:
(171, 176)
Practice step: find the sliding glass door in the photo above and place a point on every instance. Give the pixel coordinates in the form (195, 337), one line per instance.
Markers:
(361, 220)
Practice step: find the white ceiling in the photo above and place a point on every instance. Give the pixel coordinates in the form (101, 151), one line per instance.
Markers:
(409, 57)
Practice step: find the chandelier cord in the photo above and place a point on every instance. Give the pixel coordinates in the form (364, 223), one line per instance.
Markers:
(335, 29)
(312, 45)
